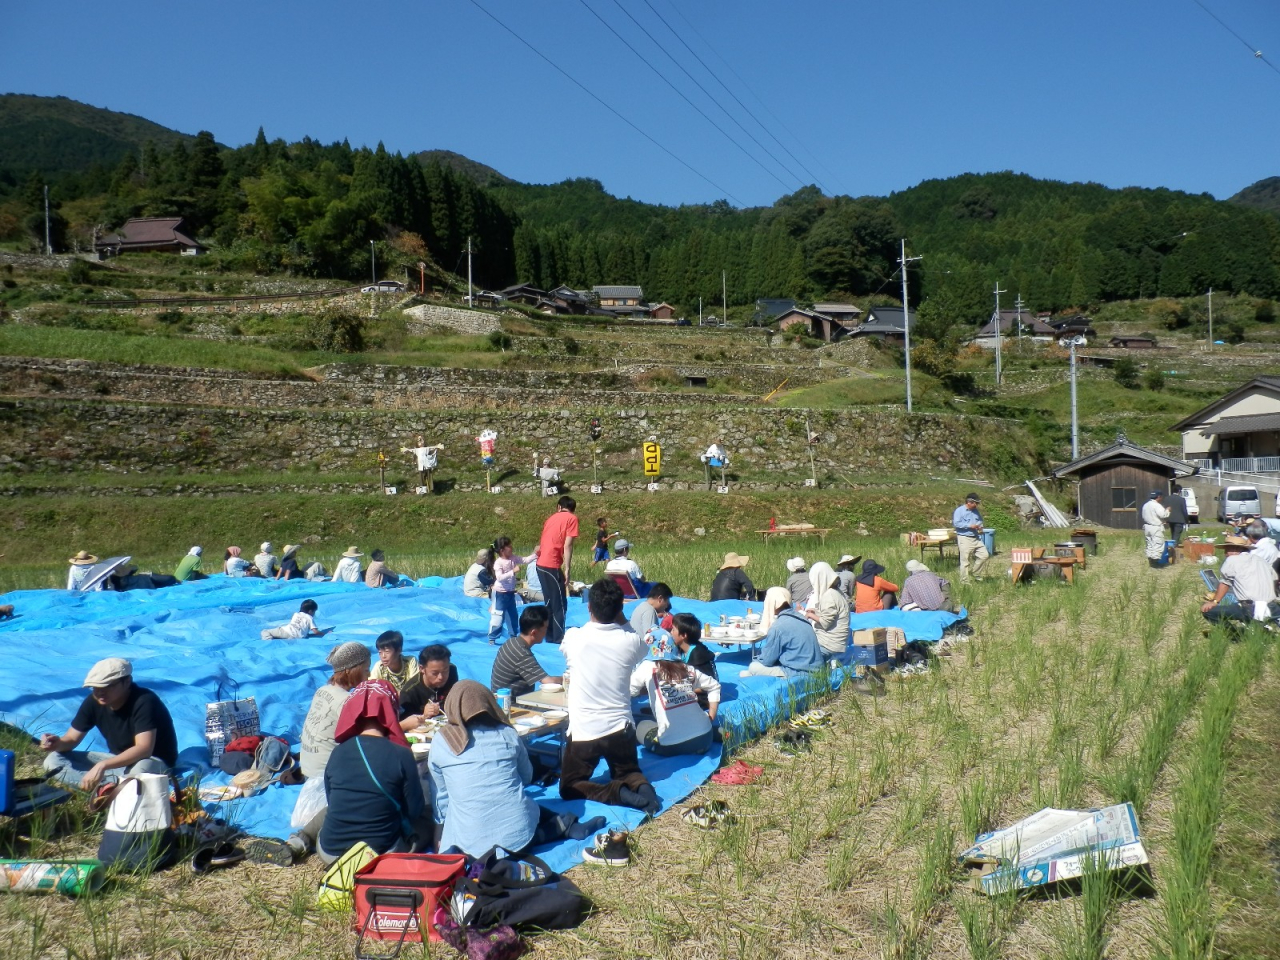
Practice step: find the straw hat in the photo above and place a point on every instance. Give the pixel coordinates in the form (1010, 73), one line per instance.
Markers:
(289, 548)
(352, 551)
(1231, 540)
(733, 560)
(83, 559)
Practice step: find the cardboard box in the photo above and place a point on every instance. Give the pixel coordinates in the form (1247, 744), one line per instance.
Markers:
(869, 655)
(1054, 845)
(867, 638)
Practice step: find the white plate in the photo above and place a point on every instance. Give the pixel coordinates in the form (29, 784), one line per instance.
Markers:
(551, 687)
(529, 723)
(219, 794)
(555, 714)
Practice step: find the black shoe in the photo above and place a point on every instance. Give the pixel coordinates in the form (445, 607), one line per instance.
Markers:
(274, 853)
(612, 849)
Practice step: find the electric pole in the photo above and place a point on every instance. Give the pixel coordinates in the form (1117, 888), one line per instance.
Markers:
(724, 296)
(906, 320)
(470, 299)
(1210, 344)
(999, 359)
(1075, 421)
(373, 263)
(1017, 306)
(48, 246)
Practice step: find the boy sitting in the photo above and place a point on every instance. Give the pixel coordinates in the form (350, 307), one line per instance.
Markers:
(516, 668)
(391, 665)
(686, 631)
(423, 695)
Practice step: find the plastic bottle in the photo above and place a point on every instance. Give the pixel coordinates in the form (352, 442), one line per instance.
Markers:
(503, 697)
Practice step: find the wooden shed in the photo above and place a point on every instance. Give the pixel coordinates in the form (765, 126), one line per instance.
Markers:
(1117, 481)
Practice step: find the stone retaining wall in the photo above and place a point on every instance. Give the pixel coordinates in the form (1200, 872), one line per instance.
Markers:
(427, 315)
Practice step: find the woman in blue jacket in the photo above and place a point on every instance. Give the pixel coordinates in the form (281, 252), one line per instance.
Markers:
(790, 647)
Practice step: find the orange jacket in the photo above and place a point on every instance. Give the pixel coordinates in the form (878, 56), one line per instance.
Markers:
(867, 599)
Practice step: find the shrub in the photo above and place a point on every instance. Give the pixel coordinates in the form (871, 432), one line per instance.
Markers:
(1154, 380)
(336, 331)
(1125, 372)
(571, 346)
(79, 273)
(498, 340)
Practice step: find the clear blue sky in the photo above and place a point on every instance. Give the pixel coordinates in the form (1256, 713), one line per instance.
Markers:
(876, 96)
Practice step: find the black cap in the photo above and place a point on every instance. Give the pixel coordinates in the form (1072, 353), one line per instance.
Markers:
(974, 497)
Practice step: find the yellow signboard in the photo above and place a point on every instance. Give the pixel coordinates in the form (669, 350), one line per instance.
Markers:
(652, 459)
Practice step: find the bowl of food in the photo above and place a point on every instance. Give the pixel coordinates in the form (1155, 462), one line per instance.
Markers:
(420, 750)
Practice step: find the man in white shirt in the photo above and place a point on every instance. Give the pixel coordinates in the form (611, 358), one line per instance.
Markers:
(1154, 514)
(1252, 582)
(348, 568)
(1264, 546)
(599, 660)
(622, 563)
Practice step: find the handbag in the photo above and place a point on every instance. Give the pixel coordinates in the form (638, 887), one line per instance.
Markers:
(228, 720)
(521, 892)
(397, 893)
(138, 836)
(338, 881)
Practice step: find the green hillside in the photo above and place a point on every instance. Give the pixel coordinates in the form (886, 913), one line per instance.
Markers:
(56, 135)
(1263, 195)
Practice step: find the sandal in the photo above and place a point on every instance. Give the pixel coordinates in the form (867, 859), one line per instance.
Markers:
(101, 798)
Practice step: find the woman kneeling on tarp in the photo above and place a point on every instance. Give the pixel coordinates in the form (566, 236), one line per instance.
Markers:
(679, 724)
(371, 780)
(479, 769)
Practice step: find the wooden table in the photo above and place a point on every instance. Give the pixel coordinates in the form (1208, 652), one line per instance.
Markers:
(819, 532)
(1194, 551)
(1068, 565)
(941, 546)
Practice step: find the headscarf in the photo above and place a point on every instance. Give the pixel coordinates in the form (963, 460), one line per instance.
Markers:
(265, 547)
(374, 700)
(822, 577)
(776, 599)
(194, 552)
(870, 570)
(466, 701)
(795, 564)
(233, 551)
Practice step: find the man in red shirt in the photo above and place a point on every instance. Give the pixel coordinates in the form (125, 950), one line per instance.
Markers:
(555, 557)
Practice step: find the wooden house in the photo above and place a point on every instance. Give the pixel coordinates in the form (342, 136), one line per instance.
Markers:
(811, 324)
(1117, 481)
(149, 235)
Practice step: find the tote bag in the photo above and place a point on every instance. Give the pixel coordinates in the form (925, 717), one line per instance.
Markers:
(227, 720)
(138, 835)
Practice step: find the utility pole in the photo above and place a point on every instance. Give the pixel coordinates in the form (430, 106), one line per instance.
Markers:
(724, 295)
(1210, 344)
(999, 338)
(48, 247)
(373, 263)
(470, 299)
(906, 319)
(1075, 422)
(699, 311)
(1017, 305)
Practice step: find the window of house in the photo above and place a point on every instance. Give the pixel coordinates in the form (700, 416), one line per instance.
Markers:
(1124, 498)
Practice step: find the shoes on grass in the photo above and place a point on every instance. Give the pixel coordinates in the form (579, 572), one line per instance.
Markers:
(274, 853)
(737, 774)
(101, 798)
(794, 742)
(611, 849)
(813, 720)
(214, 856)
(708, 816)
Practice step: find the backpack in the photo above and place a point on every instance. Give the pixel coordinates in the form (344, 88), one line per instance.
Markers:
(520, 892)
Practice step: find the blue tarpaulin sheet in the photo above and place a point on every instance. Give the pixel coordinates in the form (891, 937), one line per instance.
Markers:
(190, 641)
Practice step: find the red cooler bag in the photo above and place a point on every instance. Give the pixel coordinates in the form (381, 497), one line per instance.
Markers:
(395, 895)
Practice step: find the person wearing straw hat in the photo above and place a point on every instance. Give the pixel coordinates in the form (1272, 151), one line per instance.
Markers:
(289, 563)
(731, 583)
(132, 720)
(348, 568)
(266, 561)
(80, 565)
(845, 575)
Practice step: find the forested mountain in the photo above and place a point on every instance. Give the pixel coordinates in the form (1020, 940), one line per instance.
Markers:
(1263, 195)
(311, 208)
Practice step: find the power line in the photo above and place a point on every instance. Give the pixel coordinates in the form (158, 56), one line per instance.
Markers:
(577, 83)
(663, 77)
(705, 91)
(693, 53)
(1249, 46)
(748, 87)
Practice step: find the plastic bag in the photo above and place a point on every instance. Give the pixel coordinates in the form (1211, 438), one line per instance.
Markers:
(311, 800)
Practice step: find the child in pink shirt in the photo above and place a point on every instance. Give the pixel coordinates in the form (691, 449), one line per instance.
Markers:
(503, 608)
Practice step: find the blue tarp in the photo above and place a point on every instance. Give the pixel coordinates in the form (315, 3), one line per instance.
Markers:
(187, 641)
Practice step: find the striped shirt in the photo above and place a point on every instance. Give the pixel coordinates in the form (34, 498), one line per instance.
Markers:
(516, 668)
(925, 590)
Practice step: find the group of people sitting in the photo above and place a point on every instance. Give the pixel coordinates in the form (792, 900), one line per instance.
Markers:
(1246, 589)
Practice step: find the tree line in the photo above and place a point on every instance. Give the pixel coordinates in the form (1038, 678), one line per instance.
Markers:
(313, 209)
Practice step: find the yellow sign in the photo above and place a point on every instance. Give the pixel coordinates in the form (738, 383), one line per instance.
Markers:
(652, 459)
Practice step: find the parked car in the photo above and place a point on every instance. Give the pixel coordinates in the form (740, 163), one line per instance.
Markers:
(384, 286)
(1237, 501)
(1193, 508)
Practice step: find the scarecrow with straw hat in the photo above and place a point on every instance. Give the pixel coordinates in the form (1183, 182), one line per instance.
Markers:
(731, 583)
(80, 565)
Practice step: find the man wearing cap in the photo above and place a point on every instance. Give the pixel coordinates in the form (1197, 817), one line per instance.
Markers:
(1252, 582)
(348, 568)
(136, 725)
(967, 522)
(731, 583)
(1154, 514)
(80, 565)
(924, 590)
(266, 561)
(622, 563)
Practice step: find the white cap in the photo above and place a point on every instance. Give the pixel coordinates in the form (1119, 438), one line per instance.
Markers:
(795, 564)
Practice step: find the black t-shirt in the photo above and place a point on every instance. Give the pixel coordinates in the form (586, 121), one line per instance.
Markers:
(416, 694)
(289, 568)
(702, 658)
(732, 584)
(142, 711)
(602, 539)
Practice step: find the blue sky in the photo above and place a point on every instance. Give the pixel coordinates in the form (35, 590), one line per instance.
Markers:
(869, 97)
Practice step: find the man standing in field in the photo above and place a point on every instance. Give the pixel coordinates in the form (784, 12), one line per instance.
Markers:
(1154, 515)
(555, 558)
(967, 522)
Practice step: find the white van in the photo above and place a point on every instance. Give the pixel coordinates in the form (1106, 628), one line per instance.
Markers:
(1238, 501)
(1192, 506)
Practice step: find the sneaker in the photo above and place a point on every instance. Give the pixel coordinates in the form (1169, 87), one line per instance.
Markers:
(794, 742)
(611, 848)
(273, 853)
(708, 816)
